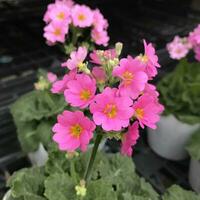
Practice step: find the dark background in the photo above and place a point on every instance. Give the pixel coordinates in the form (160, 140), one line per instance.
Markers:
(23, 51)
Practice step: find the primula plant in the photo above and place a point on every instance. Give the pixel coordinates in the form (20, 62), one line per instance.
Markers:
(180, 89)
(108, 97)
(72, 25)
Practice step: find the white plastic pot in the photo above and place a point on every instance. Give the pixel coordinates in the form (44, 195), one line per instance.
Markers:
(170, 137)
(7, 195)
(194, 175)
(38, 157)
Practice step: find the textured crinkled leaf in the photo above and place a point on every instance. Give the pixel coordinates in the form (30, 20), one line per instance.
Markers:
(60, 186)
(193, 146)
(177, 193)
(27, 182)
(180, 92)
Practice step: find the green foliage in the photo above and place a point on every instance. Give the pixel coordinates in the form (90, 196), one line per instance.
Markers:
(177, 193)
(180, 92)
(193, 146)
(113, 178)
(34, 115)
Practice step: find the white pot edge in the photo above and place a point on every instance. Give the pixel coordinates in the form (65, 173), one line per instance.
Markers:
(7, 195)
(194, 175)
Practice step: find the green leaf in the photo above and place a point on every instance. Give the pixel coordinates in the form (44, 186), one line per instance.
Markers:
(177, 193)
(59, 186)
(193, 146)
(27, 183)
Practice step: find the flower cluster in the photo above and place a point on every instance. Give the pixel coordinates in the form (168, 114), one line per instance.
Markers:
(180, 47)
(109, 96)
(64, 18)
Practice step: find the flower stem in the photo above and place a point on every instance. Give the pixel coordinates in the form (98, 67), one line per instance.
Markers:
(92, 157)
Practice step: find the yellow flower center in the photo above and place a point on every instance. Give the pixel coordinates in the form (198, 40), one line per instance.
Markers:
(81, 17)
(139, 113)
(110, 110)
(143, 58)
(85, 95)
(76, 130)
(128, 77)
(57, 32)
(61, 15)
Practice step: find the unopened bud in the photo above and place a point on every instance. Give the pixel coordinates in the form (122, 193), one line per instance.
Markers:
(118, 48)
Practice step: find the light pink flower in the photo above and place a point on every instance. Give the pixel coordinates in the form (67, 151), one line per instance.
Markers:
(100, 37)
(81, 91)
(178, 48)
(130, 139)
(147, 110)
(99, 22)
(99, 74)
(76, 58)
(55, 32)
(61, 85)
(60, 12)
(46, 17)
(73, 130)
(133, 78)
(194, 36)
(111, 111)
(51, 77)
(82, 16)
(149, 59)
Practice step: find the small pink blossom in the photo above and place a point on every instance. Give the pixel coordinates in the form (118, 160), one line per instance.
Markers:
(149, 59)
(130, 139)
(147, 110)
(51, 77)
(99, 74)
(76, 58)
(194, 36)
(132, 75)
(73, 130)
(61, 85)
(197, 52)
(151, 90)
(111, 111)
(55, 32)
(81, 91)
(82, 16)
(99, 22)
(108, 54)
(178, 48)
(100, 37)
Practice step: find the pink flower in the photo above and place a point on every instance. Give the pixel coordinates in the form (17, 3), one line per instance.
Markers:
(130, 71)
(76, 58)
(60, 12)
(99, 74)
(111, 111)
(150, 59)
(73, 130)
(194, 36)
(130, 139)
(178, 48)
(61, 85)
(81, 91)
(151, 90)
(100, 37)
(82, 16)
(147, 110)
(99, 22)
(55, 32)
(46, 17)
(51, 77)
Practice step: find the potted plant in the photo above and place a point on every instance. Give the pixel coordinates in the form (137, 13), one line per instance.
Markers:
(180, 94)
(193, 147)
(69, 25)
